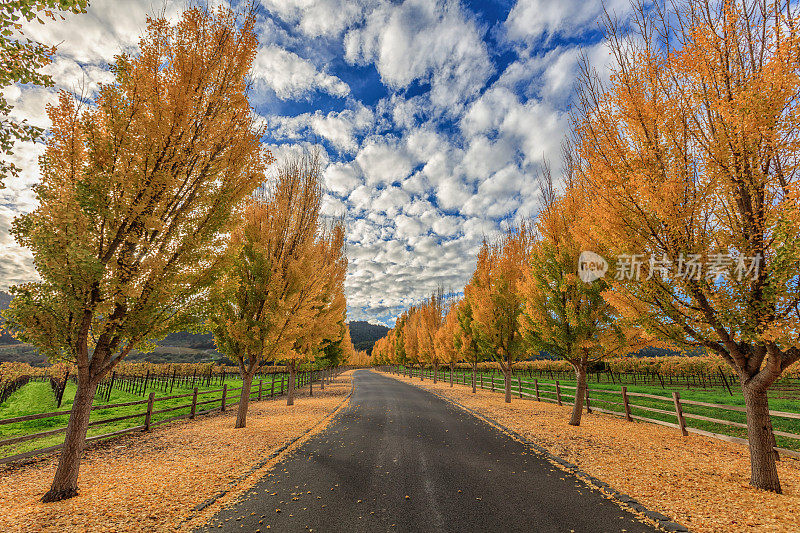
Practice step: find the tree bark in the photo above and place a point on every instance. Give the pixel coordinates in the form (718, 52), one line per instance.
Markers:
(435, 372)
(65, 482)
(421, 373)
(474, 374)
(580, 392)
(290, 392)
(763, 469)
(244, 400)
(507, 380)
(451, 374)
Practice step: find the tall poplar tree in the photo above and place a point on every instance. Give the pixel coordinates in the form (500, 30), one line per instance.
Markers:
(135, 196)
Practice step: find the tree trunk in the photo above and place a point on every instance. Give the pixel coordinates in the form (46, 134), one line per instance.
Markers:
(763, 470)
(474, 373)
(290, 392)
(65, 482)
(451, 374)
(244, 400)
(507, 379)
(435, 372)
(421, 373)
(580, 392)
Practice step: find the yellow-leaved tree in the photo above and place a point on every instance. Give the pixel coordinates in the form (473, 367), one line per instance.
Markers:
(135, 197)
(496, 301)
(692, 159)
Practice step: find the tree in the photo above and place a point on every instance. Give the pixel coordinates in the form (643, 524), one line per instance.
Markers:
(566, 316)
(270, 302)
(465, 342)
(411, 347)
(22, 60)
(495, 299)
(135, 197)
(692, 159)
(445, 340)
(430, 316)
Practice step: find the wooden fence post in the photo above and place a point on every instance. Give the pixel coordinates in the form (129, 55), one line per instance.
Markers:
(676, 397)
(558, 392)
(519, 386)
(311, 385)
(492, 381)
(149, 413)
(481, 379)
(194, 404)
(536, 384)
(260, 387)
(224, 393)
(588, 406)
(626, 404)
(272, 387)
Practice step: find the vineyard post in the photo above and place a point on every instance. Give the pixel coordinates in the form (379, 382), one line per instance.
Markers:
(626, 404)
(558, 392)
(146, 379)
(194, 404)
(224, 393)
(536, 385)
(725, 381)
(676, 397)
(260, 386)
(172, 383)
(149, 413)
(111, 386)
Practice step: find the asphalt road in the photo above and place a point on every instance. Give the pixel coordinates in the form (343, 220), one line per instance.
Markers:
(400, 459)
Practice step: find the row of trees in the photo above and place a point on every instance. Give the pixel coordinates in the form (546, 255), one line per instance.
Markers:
(687, 156)
(158, 213)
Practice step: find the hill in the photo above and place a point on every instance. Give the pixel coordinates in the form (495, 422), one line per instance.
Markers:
(363, 334)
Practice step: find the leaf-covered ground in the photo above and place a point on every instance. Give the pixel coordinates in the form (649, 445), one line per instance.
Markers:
(700, 482)
(151, 482)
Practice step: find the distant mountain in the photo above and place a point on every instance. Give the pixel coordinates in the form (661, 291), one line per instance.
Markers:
(363, 334)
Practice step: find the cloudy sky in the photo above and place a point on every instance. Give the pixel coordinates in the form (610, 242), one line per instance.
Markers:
(434, 117)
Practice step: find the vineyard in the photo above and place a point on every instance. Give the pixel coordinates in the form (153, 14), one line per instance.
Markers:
(33, 419)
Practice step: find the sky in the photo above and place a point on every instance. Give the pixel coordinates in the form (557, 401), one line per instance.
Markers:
(433, 119)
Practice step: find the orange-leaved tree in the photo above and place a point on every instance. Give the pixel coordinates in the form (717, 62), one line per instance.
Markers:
(496, 301)
(430, 317)
(445, 340)
(691, 155)
(465, 342)
(135, 196)
(566, 316)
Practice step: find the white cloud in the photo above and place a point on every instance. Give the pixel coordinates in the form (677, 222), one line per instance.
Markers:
(534, 19)
(383, 162)
(316, 18)
(291, 76)
(427, 41)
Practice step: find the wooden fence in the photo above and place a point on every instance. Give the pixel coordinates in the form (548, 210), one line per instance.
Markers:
(202, 402)
(628, 404)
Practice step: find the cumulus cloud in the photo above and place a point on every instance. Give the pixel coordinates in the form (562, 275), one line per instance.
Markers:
(534, 19)
(426, 41)
(291, 76)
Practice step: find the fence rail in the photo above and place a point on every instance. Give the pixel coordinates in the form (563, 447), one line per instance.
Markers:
(632, 405)
(258, 391)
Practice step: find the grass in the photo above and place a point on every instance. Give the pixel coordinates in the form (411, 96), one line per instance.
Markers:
(37, 397)
(613, 402)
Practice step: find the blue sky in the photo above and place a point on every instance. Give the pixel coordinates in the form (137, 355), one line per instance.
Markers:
(433, 118)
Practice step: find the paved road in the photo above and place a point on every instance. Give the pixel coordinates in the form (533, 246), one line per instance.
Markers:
(399, 459)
